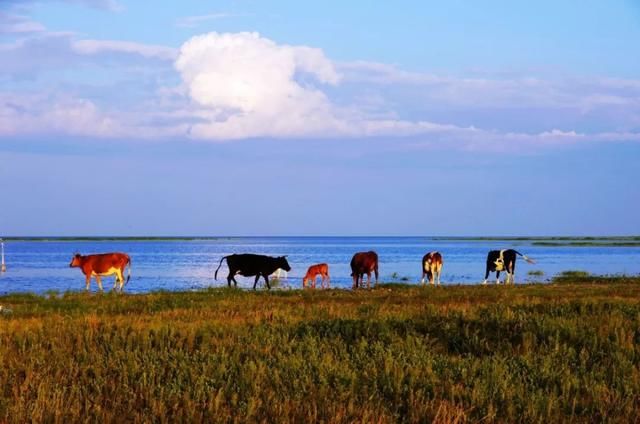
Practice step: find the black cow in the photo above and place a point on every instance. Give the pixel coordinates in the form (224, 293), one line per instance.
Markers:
(503, 260)
(248, 265)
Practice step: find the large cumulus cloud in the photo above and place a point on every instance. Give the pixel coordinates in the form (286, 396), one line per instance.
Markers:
(251, 87)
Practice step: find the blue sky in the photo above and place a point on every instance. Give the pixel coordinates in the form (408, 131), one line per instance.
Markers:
(286, 118)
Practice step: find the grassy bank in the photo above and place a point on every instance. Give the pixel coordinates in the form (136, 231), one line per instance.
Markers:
(545, 353)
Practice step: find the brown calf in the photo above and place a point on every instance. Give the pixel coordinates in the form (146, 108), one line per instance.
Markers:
(431, 265)
(312, 274)
(102, 265)
(364, 263)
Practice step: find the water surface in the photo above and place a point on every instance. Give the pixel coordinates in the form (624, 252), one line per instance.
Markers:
(40, 266)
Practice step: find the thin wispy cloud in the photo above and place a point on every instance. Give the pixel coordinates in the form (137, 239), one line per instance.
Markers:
(195, 21)
(17, 24)
(109, 5)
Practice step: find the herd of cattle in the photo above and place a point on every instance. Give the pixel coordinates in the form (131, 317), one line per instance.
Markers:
(251, 265)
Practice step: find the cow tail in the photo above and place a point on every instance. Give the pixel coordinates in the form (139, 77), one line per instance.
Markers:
(215, 276)
(525, 257)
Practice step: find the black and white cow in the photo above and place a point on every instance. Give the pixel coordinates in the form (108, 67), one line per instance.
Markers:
(503, 260)
(248, 265)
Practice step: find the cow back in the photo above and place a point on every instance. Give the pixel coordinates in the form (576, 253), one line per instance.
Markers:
(252, 264)
(104, 262)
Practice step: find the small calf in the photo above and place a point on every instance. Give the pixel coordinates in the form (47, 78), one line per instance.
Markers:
(312, 274)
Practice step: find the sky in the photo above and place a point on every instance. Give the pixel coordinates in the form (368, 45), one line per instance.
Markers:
(246, 117)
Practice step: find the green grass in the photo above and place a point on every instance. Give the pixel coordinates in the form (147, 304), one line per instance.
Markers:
(527, 353)
(536, 273)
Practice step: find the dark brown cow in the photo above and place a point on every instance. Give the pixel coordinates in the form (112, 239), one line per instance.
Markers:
(432, 266)
(102, 265)
(364, 263)
(312, 275)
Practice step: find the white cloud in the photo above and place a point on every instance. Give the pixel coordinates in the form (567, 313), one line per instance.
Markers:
(514, 92)
(249, 87)
(242, 85)
(37, 114)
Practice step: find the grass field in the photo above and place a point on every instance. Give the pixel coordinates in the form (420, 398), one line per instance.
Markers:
(567, 351)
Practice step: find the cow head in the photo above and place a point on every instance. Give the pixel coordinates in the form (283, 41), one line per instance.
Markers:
(75, 261)
(282, 263)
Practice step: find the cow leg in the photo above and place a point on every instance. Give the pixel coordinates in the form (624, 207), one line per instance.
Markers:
(266, 280)
(368, 279)
(99, 282)
(87, 282)
(255, 282)
(513, 272)
(119, 279)
(497, 277)
(432, 277)
(328, 281)
(315, 280)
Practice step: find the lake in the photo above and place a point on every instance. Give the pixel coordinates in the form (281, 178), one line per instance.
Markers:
(41, 266)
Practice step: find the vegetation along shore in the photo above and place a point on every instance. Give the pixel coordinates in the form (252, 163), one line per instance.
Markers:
(565, 351)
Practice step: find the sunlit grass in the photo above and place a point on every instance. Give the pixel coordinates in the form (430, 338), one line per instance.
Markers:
(544, 353)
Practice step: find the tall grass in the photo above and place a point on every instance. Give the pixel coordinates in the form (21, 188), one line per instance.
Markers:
(543, 353)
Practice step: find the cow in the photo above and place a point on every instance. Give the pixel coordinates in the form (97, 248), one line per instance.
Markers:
(432, 266)
(101, 265)
(364, 263)
(503, 260)
(312, 275)
(248, 265)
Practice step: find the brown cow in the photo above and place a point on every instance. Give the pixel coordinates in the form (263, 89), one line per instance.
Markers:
(312, 275)
(364, 263)
(431, 265)
(102, 265)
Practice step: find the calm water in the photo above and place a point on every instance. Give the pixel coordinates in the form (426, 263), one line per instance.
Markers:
(36, 266)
